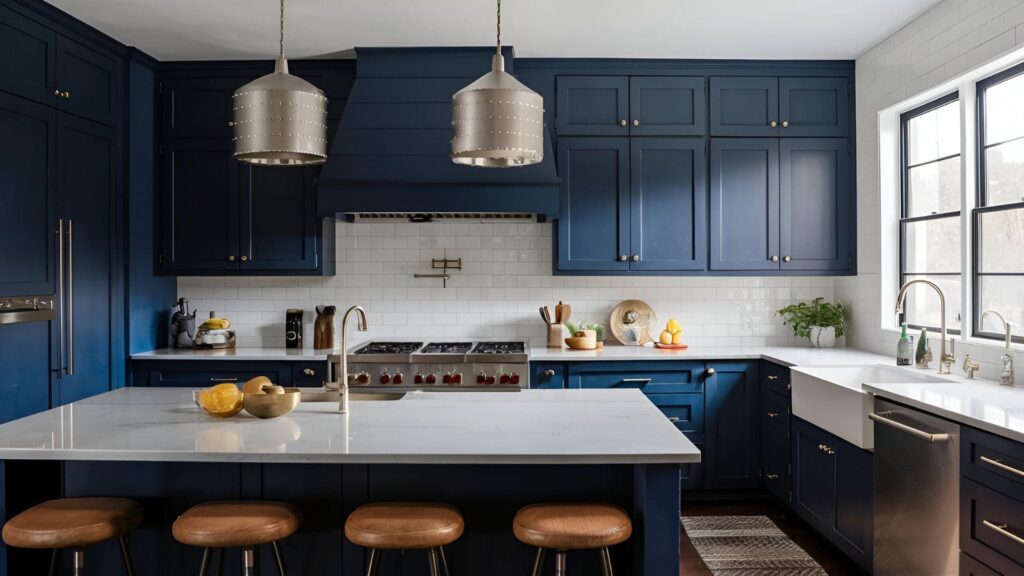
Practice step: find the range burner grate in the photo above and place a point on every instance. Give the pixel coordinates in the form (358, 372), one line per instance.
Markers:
(390, 348)
(447, 348)
(500, 348)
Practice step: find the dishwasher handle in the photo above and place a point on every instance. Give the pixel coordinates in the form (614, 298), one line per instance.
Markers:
(926, 436)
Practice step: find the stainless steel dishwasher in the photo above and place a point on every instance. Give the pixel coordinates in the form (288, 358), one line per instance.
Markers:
(917, 492)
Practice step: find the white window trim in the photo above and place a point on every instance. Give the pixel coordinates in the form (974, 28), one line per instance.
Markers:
(890, 192)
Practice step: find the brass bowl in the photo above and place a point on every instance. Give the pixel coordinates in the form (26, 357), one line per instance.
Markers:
(272, 405)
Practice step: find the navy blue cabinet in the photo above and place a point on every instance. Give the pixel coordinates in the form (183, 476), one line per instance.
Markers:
(787, 107)
(630, 106)
(28, 57)
(833, 489)
(205, 373)
(650, 191)
(744, 204)
(731, 402)
(547, 375)
(89, 81)
(775, 435)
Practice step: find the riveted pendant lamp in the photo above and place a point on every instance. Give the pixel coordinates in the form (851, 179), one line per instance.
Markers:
(497, 122)
(280, 119)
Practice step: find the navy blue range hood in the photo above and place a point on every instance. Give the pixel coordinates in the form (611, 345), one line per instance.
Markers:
(391, 153)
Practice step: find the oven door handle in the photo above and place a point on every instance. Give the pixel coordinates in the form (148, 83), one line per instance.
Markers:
(926, 436)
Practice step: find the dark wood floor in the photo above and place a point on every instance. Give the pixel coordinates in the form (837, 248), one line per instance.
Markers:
(830, 559)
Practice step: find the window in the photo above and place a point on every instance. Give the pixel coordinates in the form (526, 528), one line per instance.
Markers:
(999, 218)
(930, 221)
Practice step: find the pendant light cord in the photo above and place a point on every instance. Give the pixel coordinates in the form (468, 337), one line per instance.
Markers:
(282, 28)
(499, 26)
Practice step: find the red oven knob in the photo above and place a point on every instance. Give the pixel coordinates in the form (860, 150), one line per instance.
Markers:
(418, 378)
(363, 378)
(505, 378)
(490, 380)
(385, 378)
(431, 379)
(457, 378)
(481, 378)
(515, 378)
(447, 378)
(397, 379)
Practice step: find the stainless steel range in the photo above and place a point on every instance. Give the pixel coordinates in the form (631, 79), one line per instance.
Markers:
(456, 365)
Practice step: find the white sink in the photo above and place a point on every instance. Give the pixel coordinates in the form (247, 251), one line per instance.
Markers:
(833, 397)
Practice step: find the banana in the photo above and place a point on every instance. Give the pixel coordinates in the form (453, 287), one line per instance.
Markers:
(216, 324)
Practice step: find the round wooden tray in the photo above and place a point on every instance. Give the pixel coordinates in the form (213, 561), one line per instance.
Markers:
(631, 321)
(671, 346)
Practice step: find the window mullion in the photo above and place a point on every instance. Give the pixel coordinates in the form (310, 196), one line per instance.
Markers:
(969, 151)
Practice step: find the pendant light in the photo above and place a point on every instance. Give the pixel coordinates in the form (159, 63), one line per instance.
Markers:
(497, 122)
(280, 119)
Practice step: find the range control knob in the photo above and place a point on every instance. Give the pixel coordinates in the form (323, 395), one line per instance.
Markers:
(505, 378)
(418, 378)
(447, 378)
(489, 380)
(363, 378)
(481, 378)
(397, 379)
(515, 378)
(385, 378)
(457, 378)
(431, 379)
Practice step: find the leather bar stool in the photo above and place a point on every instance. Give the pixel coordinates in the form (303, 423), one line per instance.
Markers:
(75, 523)
(237, 524)
(571, 526)
(405, 526)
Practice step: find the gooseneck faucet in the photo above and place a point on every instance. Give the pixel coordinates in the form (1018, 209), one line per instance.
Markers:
(1006, 376)
(361, 326)
(945, 360)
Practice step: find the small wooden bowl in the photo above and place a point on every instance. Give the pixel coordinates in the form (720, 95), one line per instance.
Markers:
(272, 405)
(581, 343)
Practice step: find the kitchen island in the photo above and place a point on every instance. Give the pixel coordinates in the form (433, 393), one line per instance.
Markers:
(487, 453)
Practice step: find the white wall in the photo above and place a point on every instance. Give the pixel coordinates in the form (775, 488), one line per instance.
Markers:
(953, 38)
(506, 276)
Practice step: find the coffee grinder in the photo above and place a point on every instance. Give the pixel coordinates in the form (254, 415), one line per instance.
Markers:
(293, 328)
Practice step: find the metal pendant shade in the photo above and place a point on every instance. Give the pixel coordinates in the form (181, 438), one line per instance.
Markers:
(280, 119)
(497, 122)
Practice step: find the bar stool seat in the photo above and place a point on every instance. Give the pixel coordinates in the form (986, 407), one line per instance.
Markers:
(571, 526)
(404, 525)
(229, 524)
(72, 523)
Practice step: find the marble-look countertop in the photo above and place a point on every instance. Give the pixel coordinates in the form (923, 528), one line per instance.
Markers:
(526, 427)
(785, 355)
(251, 354)
(982, 404)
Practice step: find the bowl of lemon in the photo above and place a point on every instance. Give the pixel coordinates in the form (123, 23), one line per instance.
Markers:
(671, 337)
(259, 397)
(220, 401)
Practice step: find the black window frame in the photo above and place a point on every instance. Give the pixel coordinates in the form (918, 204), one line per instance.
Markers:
(905, 219)
(981, 203)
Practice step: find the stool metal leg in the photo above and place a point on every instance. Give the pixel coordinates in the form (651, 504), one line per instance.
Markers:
(606, 562)
(205, 563)
(126, 557)
(560, 563)
(374, 564)
(538, 562)
(54, 560)
(78, 562)
(279, 558)
(248, 561)
(220, 561)
(444, 561)
(435, 563)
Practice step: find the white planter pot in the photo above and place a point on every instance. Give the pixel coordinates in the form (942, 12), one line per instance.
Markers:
(823, 336)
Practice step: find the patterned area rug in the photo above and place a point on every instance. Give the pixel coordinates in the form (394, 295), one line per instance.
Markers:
(747, 546)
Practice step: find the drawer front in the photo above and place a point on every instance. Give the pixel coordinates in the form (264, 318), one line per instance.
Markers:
(649, 377)
(210, 372)
(686, 411)
(993, 461)
(971, 567)
(775, 420)
(776, 379)
(309, 374)
(992, 527)
(775, 472)
(548, 375)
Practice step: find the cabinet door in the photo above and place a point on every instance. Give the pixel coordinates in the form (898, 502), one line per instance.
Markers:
(200, 206)
(775, 472)
(592, 106)
(813, 476)
(853, 517)
(731, 401)
(89, 80)
(815, 204)
(27, 221)
(198, 107)
(593, 223)
(659, 377)
(666, 106)
(88, 157)
(744, 106)
(24, 369)
(668, 199)
(814, 106)
(27, 57)
(745, 204)
(278, 218)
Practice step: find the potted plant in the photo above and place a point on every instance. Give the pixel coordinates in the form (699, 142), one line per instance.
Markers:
(819, 321)
(593, 331)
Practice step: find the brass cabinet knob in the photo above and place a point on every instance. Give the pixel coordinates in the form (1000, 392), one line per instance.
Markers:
(773, 124)
(549, 373)
(636, 257)
(623, 258)
(636, 122)
(786, 259)
(244, 258)
(66, 95)
(785, 123)
(231, 258)
(771, 476)
(789, 386)
(772, 414)
(772, 378)
(710, 372)
(622, 122)
(309, 372)
(774, 258)
(230, 123)
(57, 92)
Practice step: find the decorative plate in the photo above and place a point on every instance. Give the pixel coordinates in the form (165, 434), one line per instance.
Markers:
(631, 321)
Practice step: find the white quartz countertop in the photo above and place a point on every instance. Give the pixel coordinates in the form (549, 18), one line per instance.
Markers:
(982, 404)
(526, 427)
(785, 355)
(251, 354)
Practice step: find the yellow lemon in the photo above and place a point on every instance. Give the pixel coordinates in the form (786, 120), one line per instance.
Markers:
(255, 386)
(222, 400)
(666, 337)
(677, 338)
(672, 326)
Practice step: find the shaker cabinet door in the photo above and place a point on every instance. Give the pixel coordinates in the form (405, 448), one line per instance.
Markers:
(815, 204)
(592, 106)
(28, 57)
(666, 106)
(731, 403)
(744, 106)
(90, 81)
(814, 107)
(278, 218)
(744, 204)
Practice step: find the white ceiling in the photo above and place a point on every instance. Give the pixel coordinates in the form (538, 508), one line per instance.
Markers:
(247, 29)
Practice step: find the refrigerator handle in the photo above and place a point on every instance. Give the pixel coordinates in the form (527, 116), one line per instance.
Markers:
(60, 296)
(71, 302)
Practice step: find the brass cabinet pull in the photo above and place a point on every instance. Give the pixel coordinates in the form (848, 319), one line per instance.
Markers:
(789, 386)
(635, 381)
(309, 372)
(67, 94)
(711, 372)
(244, 258)
(636, 122)
(1001, 529)
(223, 379)
(774, 258)
(57, 92)
(1001, 466)
(673, 418)
(773, 414)
(623, 123)
(773, 124)
(549, 373)
(772, 378)
(785, 123)
(623, 258)
(771, 476)
(786, 259)
(636, 257)
(231, 258)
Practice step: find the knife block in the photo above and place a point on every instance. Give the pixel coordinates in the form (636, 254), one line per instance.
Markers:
(323, 332)
(556, 335)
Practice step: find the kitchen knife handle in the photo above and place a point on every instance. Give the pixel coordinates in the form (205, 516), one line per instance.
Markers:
(71, 302)
(60, 296)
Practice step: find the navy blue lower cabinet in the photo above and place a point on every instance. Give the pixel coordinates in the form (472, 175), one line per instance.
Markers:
(731, 403)
(550, 375)
(205, 373)
(657, 377)
(24, 369)
(833, 489)
(744, 204)
(989, 523)
(775, 442)
(593, 221)
(815, 204)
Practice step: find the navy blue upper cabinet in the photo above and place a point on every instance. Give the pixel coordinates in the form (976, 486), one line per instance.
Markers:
(278, 225)
(745, 204)
(89, 81)
(814, 106)
(28, 220)
(27, 57)
(668, 197)
(768, 106)
(197, 107)
(593, 223)
(731, 402)
(592, 106)
(637, 106)
(815, 204)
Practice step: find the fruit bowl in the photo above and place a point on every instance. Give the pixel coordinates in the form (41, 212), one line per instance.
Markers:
(581, 343)
(272, 405)
(221, 401)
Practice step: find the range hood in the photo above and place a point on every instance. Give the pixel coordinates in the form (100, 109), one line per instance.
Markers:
(392, 151)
